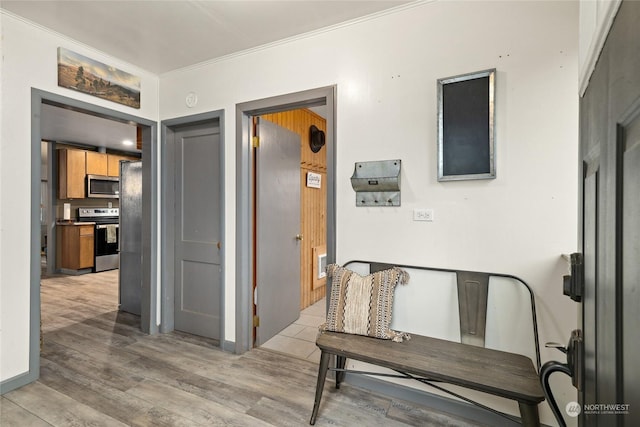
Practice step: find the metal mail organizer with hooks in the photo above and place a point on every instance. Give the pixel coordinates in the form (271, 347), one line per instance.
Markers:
(377, 183)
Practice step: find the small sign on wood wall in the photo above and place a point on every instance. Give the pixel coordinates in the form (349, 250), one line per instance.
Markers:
(314, 180)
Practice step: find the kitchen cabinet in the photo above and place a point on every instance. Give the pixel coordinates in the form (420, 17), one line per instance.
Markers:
(71, 174)
(75, 165)
(113, 162)
(96, 163)
(76, 246)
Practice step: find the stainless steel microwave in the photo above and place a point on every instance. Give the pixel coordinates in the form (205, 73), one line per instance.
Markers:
(104, 187)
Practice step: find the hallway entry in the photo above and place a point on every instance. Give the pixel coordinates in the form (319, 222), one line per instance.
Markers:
(310, 115)
(290, 218)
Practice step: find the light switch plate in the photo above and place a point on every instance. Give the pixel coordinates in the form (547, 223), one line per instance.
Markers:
(421, 214)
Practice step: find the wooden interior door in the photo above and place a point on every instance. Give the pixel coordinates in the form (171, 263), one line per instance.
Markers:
(610, 232)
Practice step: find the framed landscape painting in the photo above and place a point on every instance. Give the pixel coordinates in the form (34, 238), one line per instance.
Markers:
(85, 75)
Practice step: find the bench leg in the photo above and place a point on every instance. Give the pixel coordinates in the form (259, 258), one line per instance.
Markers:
(341, 361)
(322, 374)
(529, 415)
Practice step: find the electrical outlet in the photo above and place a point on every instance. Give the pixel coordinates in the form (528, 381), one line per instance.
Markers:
(420, 214)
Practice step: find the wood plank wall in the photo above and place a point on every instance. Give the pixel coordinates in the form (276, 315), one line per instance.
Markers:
(313, 201)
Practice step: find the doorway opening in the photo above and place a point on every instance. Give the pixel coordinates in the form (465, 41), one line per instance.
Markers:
(80, 183)
(46, 238)
(297, 294)
(281, 298)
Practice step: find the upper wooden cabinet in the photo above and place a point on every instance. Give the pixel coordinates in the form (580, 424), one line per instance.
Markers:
(74, 165)
(71, 174)
(96, 163)
(113, 164)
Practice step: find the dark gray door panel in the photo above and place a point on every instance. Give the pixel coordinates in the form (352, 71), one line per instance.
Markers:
(609, 147)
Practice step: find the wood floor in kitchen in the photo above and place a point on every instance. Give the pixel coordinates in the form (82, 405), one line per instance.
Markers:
(98, 369)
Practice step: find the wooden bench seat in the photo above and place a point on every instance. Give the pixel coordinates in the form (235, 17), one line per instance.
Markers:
(500, 373)
(491, 310)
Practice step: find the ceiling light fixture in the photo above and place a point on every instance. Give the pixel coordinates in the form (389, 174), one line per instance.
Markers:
(127, 142)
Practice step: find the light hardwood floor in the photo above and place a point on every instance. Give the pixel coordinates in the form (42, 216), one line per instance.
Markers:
(98, 369)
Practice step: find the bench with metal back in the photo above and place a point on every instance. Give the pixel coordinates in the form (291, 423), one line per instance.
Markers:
(465, 360)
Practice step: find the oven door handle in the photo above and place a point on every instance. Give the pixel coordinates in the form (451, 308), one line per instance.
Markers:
(102, 226)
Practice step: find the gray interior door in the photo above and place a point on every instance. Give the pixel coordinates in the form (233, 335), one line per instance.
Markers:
(130, 238)
(610, 152)
(197, 282)
(278, 229)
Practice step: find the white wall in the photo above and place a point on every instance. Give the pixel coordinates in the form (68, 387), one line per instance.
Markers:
(30, 61)
(385, 71)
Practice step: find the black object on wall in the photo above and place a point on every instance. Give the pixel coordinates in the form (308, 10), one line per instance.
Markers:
(466, 126)
(316, 138)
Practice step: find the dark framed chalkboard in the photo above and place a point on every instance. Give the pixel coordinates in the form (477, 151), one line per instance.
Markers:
(466, 142)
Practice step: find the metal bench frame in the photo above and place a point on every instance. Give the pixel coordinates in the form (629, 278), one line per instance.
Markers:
(471, 286)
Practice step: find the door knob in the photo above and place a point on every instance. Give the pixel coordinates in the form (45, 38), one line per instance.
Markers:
(299, 237)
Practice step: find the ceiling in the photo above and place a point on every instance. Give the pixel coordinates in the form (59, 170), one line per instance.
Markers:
(64, 125)
(161, 36)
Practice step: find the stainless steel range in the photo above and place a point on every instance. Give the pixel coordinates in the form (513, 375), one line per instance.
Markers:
(106, 236)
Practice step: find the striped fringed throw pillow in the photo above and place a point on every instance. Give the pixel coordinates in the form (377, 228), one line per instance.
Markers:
(363, 305)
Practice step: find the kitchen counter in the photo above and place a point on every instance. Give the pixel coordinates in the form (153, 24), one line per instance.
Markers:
(75, 223)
